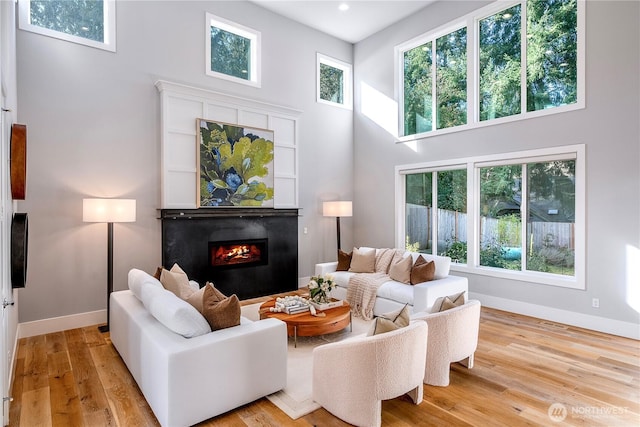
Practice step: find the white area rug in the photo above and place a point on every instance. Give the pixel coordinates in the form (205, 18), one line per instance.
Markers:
(295, 399)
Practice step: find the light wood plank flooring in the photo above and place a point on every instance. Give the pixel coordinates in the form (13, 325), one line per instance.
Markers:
(523, 366)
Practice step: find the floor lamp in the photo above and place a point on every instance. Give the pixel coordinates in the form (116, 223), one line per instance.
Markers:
(109, 211)
(337, 209)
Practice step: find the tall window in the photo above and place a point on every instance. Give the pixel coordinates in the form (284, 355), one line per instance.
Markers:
(232, 51)
(334, 82)
(500, 61)
(446, 77)
(527, 56)
(527, 223)
(436, 213)
(88, 22)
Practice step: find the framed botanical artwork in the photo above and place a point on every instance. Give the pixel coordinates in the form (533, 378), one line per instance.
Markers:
(235, 165)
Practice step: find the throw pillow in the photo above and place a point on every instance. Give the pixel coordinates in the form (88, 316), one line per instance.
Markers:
(383, 260)
(177, 315)
(138, 279)
(344, 260)
(448, 302)
(158, 272)
(400, 270)
(221, 312)
(176, 281)
(422, 271)
(363, 260)
(390, 321)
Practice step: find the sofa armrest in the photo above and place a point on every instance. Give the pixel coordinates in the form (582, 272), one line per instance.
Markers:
(425, 294)
(325, 268)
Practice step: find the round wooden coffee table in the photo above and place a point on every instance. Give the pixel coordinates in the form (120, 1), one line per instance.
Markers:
(306, 325)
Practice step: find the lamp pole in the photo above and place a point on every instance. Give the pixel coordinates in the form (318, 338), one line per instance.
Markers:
(105, 328)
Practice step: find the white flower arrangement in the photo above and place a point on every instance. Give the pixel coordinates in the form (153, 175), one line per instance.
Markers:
(319, 288)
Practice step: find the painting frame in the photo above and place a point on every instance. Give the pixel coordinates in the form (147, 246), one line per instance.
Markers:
(235, 165)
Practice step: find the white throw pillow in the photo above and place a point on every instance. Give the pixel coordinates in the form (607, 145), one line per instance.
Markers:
(137, 279)
(177, 315)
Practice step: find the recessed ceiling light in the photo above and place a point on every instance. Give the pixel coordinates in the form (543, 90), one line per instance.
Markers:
(343, 7)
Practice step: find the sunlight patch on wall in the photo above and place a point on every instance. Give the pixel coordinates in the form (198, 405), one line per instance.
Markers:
(633, 277)
(381, 109)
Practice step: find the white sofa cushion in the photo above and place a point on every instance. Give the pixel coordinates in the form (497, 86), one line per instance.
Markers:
(396, 291)
(175, 314)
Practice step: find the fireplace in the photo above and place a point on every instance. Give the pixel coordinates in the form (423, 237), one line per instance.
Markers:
(238, 253)
(250, 252)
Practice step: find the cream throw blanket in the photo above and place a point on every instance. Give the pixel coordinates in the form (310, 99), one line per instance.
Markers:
(363, 287)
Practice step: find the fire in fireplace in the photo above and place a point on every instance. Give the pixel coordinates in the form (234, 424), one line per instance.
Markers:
(238, 253)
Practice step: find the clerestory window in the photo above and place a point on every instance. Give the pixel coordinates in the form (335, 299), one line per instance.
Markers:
(504, 62)
(334, 81)
(88, 22)
(232, 51)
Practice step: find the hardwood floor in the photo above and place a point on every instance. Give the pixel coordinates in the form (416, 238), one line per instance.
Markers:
(522, 366)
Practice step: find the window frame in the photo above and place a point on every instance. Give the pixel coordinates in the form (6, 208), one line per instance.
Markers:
(473, 165)
(347, 80)
(254, 36)
(471, 21)
(109, 23)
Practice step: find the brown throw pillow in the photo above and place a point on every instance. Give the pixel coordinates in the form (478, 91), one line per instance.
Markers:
(400, 270)
(448, 302)
(176, 281)
(344, 260)
(158, 272)
(220, 312)
(363, 260)
(422, 271)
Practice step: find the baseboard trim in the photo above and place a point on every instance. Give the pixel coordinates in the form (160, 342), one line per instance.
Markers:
(62, 323)
(587, 321)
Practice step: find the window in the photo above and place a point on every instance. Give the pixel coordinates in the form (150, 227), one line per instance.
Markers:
(528, 223)
(446, 77)
(88, 22)
(436, 211)
(334, 84)
(527, 57)
(500, 64)
(232, 51)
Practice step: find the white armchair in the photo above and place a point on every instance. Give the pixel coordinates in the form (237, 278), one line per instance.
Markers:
(352, 377)
(453, 337)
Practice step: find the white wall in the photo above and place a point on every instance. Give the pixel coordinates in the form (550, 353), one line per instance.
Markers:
(94, 131)
(608, 126)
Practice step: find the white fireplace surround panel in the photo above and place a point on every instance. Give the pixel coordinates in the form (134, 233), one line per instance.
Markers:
(181, 105)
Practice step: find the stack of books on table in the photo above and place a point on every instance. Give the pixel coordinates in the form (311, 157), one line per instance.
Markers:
(295, 309)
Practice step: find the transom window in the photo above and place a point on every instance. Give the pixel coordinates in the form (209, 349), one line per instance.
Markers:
(527, 57)
(232, 51)
(88, 22)
(334, 81)
(527, 223)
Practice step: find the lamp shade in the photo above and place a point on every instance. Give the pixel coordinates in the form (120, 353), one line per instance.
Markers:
(338, 209)
(108, 210)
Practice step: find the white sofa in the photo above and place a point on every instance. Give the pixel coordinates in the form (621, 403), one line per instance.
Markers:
(188, 380)
(393, 295)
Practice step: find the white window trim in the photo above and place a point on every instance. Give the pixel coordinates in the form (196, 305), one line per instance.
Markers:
(347, 80)
(471, 21)
(109, 27)
(473, 165)
(242, 31)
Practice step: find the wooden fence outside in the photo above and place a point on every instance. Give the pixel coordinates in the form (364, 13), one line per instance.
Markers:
(452, 226)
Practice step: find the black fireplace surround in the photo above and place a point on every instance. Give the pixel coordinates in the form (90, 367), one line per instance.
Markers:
(188, 237)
